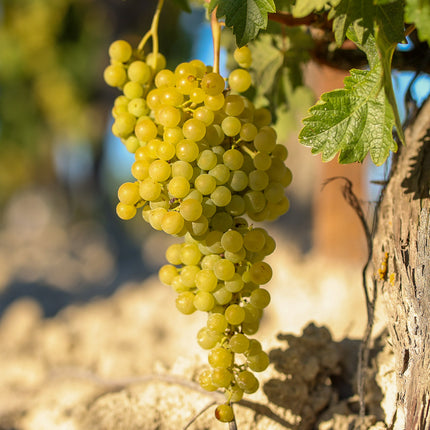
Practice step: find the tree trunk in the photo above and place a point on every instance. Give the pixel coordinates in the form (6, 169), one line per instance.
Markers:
(401, 260)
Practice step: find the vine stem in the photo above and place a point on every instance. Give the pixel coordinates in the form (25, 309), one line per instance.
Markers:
(153, 32)
(216, 37)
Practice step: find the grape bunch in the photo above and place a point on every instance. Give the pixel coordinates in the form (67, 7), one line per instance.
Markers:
(207, 167)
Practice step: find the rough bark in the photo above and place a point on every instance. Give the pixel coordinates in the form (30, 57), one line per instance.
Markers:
(401, 261)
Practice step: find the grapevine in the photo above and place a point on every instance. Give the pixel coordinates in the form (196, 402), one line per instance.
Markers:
(207, 168)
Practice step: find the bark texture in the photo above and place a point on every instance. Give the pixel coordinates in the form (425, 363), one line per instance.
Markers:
(401, 261)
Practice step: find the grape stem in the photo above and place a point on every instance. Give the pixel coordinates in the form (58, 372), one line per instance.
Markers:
(153, 32)
(216, 37)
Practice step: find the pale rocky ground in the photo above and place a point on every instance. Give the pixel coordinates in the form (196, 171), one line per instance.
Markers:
(129, 361)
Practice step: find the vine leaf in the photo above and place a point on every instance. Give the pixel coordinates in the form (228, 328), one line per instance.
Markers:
(183, 4)
(305, 7)
(353, 121)
(418, 12)
(352, 14)
(246, 17)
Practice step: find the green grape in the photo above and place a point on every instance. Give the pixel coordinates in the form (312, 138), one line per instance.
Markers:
(161, 202)
(235, 257)
(166, 151)
(222, 221)
(224, 413)
(191, 209)
(260, 298)
(213, 242)
(164, 79)
(262, 117)
(238, 180)
(243, 57)
(171, 97)
(231, 126)
(194, 194)
(125, 123)
(248, 132)
(186, 85)
(173, 254)
(188, 275)
(221, 196)
(234, 394)
(205, 183)
(208, 261)
(232, 241)
(254, 240)
(207, 160)
(206, 280)
(173, 135)
(274, 192)
(200, 68)
(258, 180)
(221, 377)
(222, 295)
(265, 140)
(185, 70)
(280, 151)
(149, 189)
(204, 115)
(153, 99)
(214, 135)
(125, 211)
(254, 201)
(233, 159)
(128, 193)
(234, 314)
(258, 362)
(167, 273)
(137, 107)
(156, 217)
(178, 187)
(234, 105)
(262, 161)
(159, 170)
(187, 150)
(239, 80)
(239, 343)
(145, 129)
(221, 173)
(208, 339)
(220, 357)
(205, 380)
(115, 75)
(133, 90)
(182, 168)
(157, 62)
(215, 102)
(185, 302)
(247, 382)
(260, 273)
(224, 269)
(254, 347)
(190, 254)
(120, 50)
(212, 84)
(140, 169)
(235, 284)
(194, 129)
(132, 144)
(172, 222)
(204, 301)
(168, 116)
(236, 207)
(197, 95)
(216, 322)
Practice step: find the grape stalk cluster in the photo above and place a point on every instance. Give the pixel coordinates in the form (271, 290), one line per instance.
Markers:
(207, 167)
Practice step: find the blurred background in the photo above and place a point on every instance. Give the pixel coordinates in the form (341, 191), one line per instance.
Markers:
(60, 239)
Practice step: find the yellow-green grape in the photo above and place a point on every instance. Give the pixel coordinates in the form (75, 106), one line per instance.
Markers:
(205, 115)
(185, 302)
(149, 189)
(222, 377)
(247, 382)
(197, 95)
(194, 129)
(208, 339)
(187, 150)
(258, 180)
(125, 211)
(171, 96)
(243, 57)
(231, 126)
(262, 161)
(138, 107)
(172, 223)
(153, 99)
(212, 84)
(173, 254)
(156, 217)
(217, 322)
(204, 301)
(178, 187)
(115, 75)
(238, 181)
(232, 241)
(239, 343)
(140, 169)
(265, 140)
(222, 295)
(128, 193)
(262, 117)
(239, 80)
(260, 272)
(167, 273)
(139, 72)
(221, 196)
(220, 357)
(258, 362)
(191, 209)
(156, 62)
(164, 79)
(168, 116)
(133, 90)
(206, 280)
(224, 413)
(224, 269)
(234, 394)
(159, 170)
(260, 298)
(205, 183)
(120, 51)
(233, 159)
(235, 284)
(234, 314)
(190, 254)
(188, 275)
(173, 135)
(205, 380)
(145, 129)
(199, 67)
(248, 132)
(215, 102)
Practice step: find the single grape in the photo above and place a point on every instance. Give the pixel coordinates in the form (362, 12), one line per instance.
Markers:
(216, 322)
(239, 343)
(212, 84)
(234, 314)
(172, 222)
(120, 50)
(243, 57)
(125, 211)
(220, 357)
(224, 413)
(139, 72)
(258, 362)
(204, 301)
(185, 302)
(247, 382)
(205, 380)
(239, 80)
(207, 339)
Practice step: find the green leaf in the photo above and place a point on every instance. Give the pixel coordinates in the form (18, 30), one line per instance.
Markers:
(305, 7)
(418, 12)
(355, 14)
(389, 18)
(246, 17)
(353, 121)
(183, 4)
(284, 5)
